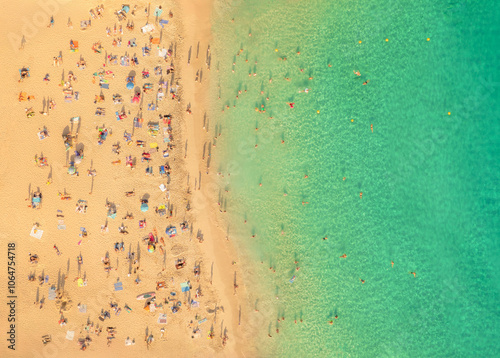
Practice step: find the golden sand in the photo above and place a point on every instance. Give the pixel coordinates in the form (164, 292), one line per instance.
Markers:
(20, 176)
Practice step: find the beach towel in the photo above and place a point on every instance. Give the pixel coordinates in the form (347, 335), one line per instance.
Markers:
(61, 225)
(162, 318)
(195, 304)
(36, 232)
(82, 309)
(162, 52)
(52, 293)
(118, 286)
(104, 85)
(81, 283)
(155, 40)
(147, 28)
(158, 12)
(185, 287)
(70, 335)
(163, 187)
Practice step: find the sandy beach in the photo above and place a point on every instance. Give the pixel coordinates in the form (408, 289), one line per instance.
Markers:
(98, 258)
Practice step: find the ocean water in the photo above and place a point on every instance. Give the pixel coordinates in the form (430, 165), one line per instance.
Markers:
(428, 173)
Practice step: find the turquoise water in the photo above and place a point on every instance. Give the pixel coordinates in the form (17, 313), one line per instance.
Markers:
(429, 180)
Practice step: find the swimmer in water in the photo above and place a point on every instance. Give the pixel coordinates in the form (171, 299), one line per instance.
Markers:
(414, 274)
(357, 73)
(371, 126)
(392, 263)
(343, 256)
(366, 82)
(362, 281)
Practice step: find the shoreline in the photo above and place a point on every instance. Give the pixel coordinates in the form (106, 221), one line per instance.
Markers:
(198, 132)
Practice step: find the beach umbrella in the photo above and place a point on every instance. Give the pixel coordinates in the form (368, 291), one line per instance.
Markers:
(151, 248)
(130, 85)
(126, 8)
(71, 170)
(144, 207)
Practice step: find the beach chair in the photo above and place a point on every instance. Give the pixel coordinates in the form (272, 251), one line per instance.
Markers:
(73, 46)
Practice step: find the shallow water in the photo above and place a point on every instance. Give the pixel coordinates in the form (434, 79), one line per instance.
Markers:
(429, 180)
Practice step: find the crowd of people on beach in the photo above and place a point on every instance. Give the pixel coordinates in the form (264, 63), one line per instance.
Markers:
(159, 148)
